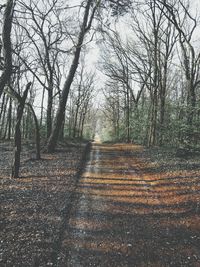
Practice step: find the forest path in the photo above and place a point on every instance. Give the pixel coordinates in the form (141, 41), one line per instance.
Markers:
(122, 216)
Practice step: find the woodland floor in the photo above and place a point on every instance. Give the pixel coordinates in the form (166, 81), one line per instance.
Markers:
(131, 207)
(34, 207)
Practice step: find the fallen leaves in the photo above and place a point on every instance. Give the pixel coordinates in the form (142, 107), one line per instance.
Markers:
(32, 206)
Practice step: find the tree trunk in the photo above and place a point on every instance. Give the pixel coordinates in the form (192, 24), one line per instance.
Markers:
(191, 102)
(153, 121)
(162, 105)
(128, 117)
(75, 120)
(17, 137)
(62, 130)
(82, 127)
(17, 144)
(7, 50)
(42, 107)
(37, 132)
(49, 111)
(82, 119)
(2, 105)
(162, 119)
(118, 115)
(65, 92)
(9, 120)
(27, 126)
(3, 117)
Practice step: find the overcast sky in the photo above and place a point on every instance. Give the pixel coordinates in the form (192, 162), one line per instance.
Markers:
(94, 53)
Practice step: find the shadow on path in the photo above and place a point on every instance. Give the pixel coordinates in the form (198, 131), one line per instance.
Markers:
(125, 216)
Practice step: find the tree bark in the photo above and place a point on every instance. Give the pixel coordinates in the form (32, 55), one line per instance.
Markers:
(3, 117)
(17, 137)
(9, 120)
(7, 50)
(2, 105)
(37, 133)
(162, 105)
(49, 111)
(75, 120)
(42, 107)
(128, 117)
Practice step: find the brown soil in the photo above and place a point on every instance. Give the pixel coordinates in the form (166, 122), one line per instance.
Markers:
(131, 207)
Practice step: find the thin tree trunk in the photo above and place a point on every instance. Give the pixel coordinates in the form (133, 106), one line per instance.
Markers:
(9, 120)
(37, 133)
(128, 116)
(3, 116)
(2, 105)
(153, 127)
(42, 107)
(75, 120)
(162, 106)
(82, 127)
(81, 118)
(17, 137)
(27, 128)
(191, 102)
(5, 131)
(49, 111)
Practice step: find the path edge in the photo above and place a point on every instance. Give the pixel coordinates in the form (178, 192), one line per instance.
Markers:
(66, 211)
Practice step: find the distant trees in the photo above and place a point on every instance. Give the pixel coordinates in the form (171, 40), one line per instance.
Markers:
(80, 102)
(87, 20)
(185, 23)
(89, 14)
(123, 72)
(158, 41)
(147, 64)
(113, 111)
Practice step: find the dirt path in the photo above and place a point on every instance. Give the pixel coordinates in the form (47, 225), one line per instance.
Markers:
(123, 216)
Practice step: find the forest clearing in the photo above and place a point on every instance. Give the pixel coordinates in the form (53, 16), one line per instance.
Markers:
(100, 133)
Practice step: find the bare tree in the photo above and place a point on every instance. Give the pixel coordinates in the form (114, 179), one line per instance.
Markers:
(42, 25)
(179, 14)
(88, 17)
(122, 69)
(80, 97)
